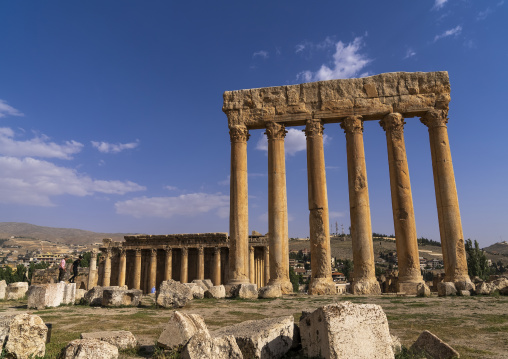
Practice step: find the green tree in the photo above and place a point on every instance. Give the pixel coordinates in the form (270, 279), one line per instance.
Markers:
(477, 264)
(347, 268)
(295, 279)
(33, 267)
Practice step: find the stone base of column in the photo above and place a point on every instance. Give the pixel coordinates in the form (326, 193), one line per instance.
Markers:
(239, 281)
(464, 283)
(321, 286)
(366, 286)
(285, 285)
(408, 287)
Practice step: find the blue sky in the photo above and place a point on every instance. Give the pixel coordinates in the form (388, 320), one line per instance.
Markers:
(110, 112)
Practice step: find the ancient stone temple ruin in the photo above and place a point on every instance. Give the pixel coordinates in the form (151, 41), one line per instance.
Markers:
(388, 98)
(144, 261)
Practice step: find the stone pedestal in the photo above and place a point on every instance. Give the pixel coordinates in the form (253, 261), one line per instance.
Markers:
(153, 269)
(216, 266)
(364, 279)
(122, 264)
(402, 205)
(137, 269)
(184, 266)
(168, 262)
(450, 225)
(239, 210)
(321, 280)
(201, 263)
(107, 269)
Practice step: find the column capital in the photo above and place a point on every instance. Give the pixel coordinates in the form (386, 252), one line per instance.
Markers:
(168, 249)
(275, 131)
(201, 250)
(251, 249)
(239, 134)
(153, 252)
(393, 123)
(122, 252)
(185, 251)
(137, 252)
(313, 128)
(352, 124)
(267, 249)
(216, 250)
(435, 118)
(107, 252)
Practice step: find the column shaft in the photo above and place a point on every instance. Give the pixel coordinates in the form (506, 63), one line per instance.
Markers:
(267, 264)
(107, 269)
(450, 225)
(168, 263)
(239, 210)
(201, 263)
(252, 275)
(92, 272)
(137, 269)
(153, 270)
(122, 264)
(216, 266)
(321, 279)
(184, 265)
(365, 281)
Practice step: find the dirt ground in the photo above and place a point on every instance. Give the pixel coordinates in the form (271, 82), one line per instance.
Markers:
(477, 327)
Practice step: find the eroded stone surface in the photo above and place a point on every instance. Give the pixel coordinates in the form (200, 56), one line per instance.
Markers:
(116, 297)
(202, 345)
(94, 296)
(89, 348)
(197, 291)
(27, 336)
(217, 292)
(173, 294)
(270, 291)
(180, 329)
(247, 291)
(434, 347)
(121, 339)
(446, 289)
(3, 288)
(16, 290)
(423, 290)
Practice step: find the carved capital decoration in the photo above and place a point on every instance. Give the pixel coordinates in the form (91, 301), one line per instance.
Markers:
(216, 250)
(185, 251)
(168, 250)
(137, 252)
(393, 123)
(239, 134)
(122, 252)
(201, 251)
(107, 252)
(251, 249)
(435, 118)
(275, 131)
(313, 128)
(153, 252)
(352, 124)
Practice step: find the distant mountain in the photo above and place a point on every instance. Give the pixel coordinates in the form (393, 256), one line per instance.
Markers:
(501, 248)
(61, 235)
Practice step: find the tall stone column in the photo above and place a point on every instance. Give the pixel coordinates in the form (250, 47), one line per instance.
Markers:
(402, 205)
(107, 269)
(137, 268)
(122, 264)
(92, 271)
(321, 278)
(184, 265)
(168, 263)
(201, 263)
(277, 208)
(239, 210)
(216, 266)
(252, 275)
(364, 280)
(267, 264)
(153, 269)
(450, 225)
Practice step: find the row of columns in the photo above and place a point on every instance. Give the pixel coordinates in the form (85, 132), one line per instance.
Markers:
(364, 280)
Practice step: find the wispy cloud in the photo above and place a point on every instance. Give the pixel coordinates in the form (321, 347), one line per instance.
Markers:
(171, 188)
(347, 62)
(6, 110)
(336, 214)
(300, 47)
(409, 53)
(482, 15)
(39, 146)
(452, 32)
(294, 142)
(106, 147)
(438, 4)
(261, 53)
(187, 205)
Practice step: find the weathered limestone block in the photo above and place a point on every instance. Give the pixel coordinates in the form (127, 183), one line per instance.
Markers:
(260, 339)
(270, 291)
(173, 294)
(89, 348)
(121, 339)
(202, 345)
(80, 293)
(200, 283)
(464, 285)
(197, 291)
(16, 290)
(5, 327)
(247, 291)
(422, 290)
(446, 288)
(69, 293)
(484, 288)
(208, 283)
(501, 284)
(120, 297)
(346, 330)
(217, 292)
(3, 288)
(37, 296)
(94, 296)
(464, 293)
(434, 347)
(180, 328)
(27, 337)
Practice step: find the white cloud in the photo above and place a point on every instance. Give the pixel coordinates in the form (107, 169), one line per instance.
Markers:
(300, 47)
(439, 4)
(30, 181)
(294, 142)
(106, 147)
(261, 53)
(452, 32)
(171, 188)
(333, 214)
(6, 110)
(409, 53)
(187, 205)
(347, 62)
(36, 147)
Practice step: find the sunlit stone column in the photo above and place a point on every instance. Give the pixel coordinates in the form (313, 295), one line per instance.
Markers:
(92, 272)
(137, 268)
(450, 225)
(107, 269)
(239, 210)
(184, 265)
(402, 205)
(153, 269)
(277, 208)
(321, 279)
(122, 264)
(364, 280)
(168, 263)
(216, 266)
(252, 275)
(201, 263)
(267, 264)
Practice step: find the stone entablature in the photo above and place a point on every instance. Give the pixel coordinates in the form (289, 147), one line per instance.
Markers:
(207, 240)
(408, 93)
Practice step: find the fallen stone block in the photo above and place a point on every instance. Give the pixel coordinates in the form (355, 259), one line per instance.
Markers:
(116, 297)
(89, 348)
(200, 283)
(270, 292)
(433, 347)
(247, 291)
(197, 290)
(422, 290)
(3, 288)
(121, 339)
(180, 329)
(94, 296)
(69, 293)
(464, 293)
(80, 293)
(16, 290)
(5, 327)
(36, 297)
(346, 330)
(217, 292)
(202, 345)
(464, 285)
(208, 283)
(260, 339)
(445, 289)
(173, 294)
(27, 337)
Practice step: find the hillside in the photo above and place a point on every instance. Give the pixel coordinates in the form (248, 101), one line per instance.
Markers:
(500, 248)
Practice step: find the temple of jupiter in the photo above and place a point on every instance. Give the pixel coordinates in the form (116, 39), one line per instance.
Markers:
(388, 98)
(144, 261)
